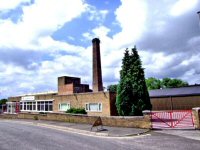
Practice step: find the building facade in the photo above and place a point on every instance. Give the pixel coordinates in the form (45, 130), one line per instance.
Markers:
(71, 94)
(95, 103)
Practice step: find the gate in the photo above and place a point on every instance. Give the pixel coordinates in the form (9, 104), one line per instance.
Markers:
(176, 119)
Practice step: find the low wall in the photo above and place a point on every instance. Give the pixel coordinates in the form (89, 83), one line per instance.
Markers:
(117, 121)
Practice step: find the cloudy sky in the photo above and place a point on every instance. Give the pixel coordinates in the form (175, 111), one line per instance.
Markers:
(43, 39)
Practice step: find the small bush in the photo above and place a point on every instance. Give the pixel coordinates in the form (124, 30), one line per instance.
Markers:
(76, 111)
(35, 117)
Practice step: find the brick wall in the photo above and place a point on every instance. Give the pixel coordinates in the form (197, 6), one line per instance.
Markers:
(66, 89)
(79, 101)
(132, 122)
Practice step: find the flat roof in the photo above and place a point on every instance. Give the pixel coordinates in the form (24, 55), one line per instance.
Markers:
(182, 91)
(39, 93)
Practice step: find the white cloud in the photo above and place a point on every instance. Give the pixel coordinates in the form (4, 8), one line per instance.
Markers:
(131, 16)
(182, 6)
(95, 14)
(39, 21)
(11, 4)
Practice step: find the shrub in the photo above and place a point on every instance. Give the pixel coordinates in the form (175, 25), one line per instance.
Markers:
(35, 117)
(76, 111)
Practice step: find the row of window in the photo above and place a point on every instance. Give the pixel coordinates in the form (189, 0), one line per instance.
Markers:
(46, 106)
(88, 107)
(37, 106)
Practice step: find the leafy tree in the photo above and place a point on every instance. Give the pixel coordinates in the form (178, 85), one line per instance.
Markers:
(153, 83)
(3, 101)
(173, 83)
(132, 93)
(112, 88)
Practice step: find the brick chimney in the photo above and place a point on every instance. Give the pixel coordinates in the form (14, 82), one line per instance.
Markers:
(97, 77)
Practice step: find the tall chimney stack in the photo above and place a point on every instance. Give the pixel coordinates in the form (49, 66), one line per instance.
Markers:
(97, 77)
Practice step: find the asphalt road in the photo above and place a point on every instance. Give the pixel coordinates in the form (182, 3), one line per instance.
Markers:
(17, 136)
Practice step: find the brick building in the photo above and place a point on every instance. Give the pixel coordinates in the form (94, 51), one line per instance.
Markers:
(71, 93)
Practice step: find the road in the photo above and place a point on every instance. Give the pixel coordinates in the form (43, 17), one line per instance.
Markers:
(17, 136)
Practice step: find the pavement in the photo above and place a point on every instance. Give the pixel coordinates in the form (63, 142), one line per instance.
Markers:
(84, 128)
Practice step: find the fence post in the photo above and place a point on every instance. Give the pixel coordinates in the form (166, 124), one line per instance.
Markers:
(147, 116)
(196, 117)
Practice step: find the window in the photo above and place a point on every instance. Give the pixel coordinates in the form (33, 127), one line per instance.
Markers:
(50, 106)
(21, 106)
(34, 107)
(64, 106)
(38, 106)
(93, 106)
(44, 106)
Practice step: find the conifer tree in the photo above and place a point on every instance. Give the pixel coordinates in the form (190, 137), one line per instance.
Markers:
(132, 93)
(141, 95)
(124, 96)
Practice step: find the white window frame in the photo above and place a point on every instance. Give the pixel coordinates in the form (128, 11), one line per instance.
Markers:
(59, 106)
(87, 107)
(36, 103)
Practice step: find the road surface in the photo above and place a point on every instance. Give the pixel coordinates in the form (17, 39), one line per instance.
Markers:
(19, 136)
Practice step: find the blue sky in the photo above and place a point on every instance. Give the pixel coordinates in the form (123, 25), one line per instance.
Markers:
(43, 39)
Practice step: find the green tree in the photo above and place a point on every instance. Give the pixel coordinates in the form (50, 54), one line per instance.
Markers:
(153, 83)
(141, 95)
(132, 93)
(124, 93)
(3, 101)
(112, 88)
(173, 83)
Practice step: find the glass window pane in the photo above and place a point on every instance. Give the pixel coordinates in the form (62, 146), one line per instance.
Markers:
(24, 105)
(34, 108)
(64, 107)
(93, 106)
(46, 106)
(50, 108)
(30, 105)
(42, 106)
(38, 106)
(100, 107)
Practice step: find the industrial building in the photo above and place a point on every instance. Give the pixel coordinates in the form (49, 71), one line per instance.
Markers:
(182, 98)
(71, 94)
